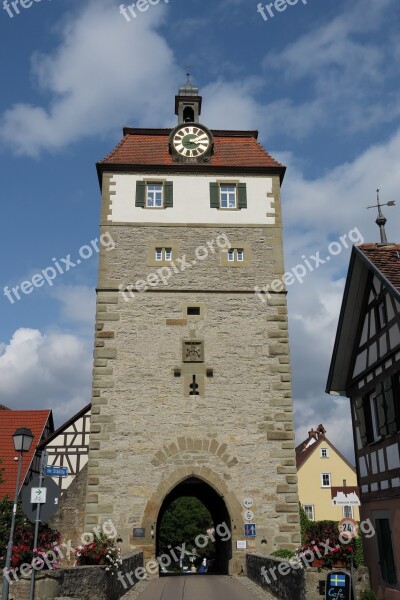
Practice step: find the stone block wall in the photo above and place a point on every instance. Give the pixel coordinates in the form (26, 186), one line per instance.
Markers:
(79, 583)
(70, 517)
(147, 433)
(301, 584)
(285, 588)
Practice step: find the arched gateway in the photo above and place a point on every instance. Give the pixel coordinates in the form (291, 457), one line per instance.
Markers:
(215, 504)
(191, 384)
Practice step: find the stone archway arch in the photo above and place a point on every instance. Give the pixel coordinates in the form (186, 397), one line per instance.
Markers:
(223, 497)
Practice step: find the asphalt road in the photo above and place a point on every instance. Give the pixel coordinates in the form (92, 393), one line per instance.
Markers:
(194, 587)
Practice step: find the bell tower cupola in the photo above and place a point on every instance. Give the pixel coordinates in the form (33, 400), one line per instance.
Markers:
(188, 103)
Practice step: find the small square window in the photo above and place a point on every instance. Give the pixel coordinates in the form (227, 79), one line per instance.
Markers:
(381, 317)
(309, 510)
(231, 255)
(163, 254)
(326, 480)
(228, 196)
(154, 195)
(193, 311)
(348, 512)
(324, 452)
(240, 255)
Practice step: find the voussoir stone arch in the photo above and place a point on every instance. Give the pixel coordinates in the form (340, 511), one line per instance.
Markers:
(178, 476)
(188, 445)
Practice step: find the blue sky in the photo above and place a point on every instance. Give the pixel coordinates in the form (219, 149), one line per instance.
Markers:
(320, 82)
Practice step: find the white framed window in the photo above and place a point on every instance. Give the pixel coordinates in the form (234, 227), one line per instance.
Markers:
(324, 453)
(154, 195)
(325, 480)
(236, 255)
(348, 512)
(159, 253)
(309, 510)
(163, 254)
(228, 196)
(168, 253)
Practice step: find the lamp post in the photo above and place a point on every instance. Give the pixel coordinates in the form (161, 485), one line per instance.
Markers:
(22, 439)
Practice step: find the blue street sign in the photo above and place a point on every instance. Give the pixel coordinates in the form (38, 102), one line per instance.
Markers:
(56, 471)
(250, 530)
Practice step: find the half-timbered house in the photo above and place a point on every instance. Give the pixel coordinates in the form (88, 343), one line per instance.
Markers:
(68, 446)
(365, 367)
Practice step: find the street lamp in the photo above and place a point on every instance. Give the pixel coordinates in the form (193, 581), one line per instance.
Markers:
(22, 439)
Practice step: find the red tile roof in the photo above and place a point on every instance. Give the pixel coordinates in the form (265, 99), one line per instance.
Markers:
(386, 259)
(150, 147)
(304, 451)
(10, 420)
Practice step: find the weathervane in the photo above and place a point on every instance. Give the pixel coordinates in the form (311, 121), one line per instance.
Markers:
(381, 220)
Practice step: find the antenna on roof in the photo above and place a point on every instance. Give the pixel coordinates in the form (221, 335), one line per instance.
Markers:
(381, 220)
(188, 68)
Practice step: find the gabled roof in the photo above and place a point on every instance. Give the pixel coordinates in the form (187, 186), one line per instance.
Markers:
(384, 262)
(309, 446)
(150, 147)
(10, 420)
(65, 426)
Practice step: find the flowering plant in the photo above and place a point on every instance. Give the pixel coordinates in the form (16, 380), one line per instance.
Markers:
(100, 551)
(23, 551)
(321, 539)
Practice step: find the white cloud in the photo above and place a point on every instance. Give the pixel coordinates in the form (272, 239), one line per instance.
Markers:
(39, 371)
(103, 71)
(317, 212)
(342, 68)
(78, 303)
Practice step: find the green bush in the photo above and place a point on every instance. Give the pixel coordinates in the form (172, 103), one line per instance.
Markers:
(367, 595)
(304, 523)
(283, 553)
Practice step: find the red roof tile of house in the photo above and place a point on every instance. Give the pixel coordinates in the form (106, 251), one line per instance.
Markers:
(386, 259)
(306, 449)
(10, 420)
(151, 147)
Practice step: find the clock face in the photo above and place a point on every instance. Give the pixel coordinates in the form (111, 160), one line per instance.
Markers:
(191, 141)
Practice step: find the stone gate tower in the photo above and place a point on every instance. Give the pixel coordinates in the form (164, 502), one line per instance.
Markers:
(191, 385)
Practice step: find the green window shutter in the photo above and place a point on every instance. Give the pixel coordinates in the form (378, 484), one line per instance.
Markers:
(169, 194)
(242, 195)
(214, 195)
(140, 194)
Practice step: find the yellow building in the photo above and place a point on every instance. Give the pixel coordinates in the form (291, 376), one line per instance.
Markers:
(325, 477)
